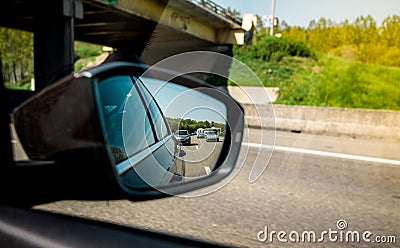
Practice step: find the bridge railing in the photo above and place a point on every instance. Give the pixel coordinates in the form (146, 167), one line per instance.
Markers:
(218, 9)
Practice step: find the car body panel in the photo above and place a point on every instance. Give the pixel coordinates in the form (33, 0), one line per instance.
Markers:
(20, 229)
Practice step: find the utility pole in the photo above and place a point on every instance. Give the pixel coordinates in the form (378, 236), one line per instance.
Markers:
(271, 31)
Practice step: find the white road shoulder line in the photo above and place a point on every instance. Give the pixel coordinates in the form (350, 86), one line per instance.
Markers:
(321, 153)
(208, 170)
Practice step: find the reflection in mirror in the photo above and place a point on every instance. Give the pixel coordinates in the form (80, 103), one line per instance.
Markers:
(198, 122)
(160, 133)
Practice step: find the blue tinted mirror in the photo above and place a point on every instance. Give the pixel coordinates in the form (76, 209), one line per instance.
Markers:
(149, 126)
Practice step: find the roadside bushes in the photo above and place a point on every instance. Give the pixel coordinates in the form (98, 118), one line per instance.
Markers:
(309, 77)
(274, 59)
(86, 50)
(273, 49)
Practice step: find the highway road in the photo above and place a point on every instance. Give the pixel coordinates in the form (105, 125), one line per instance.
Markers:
(200, 157)
(312, 183)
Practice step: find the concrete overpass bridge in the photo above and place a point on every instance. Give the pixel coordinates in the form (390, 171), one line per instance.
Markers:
(150, 29)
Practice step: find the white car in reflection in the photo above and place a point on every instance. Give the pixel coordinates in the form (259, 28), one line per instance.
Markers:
(211, 135)
(183, 137)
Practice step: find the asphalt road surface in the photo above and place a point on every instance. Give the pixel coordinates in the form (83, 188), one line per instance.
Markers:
(312, 183)
(200, 156)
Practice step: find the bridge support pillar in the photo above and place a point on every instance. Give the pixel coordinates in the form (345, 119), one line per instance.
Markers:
(54, 39)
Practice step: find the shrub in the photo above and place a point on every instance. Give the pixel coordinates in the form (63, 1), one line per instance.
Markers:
(85, 50)
(273, 49)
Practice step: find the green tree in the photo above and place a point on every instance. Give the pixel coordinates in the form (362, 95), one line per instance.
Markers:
(16, 49)
(361, 40)
(390, 31)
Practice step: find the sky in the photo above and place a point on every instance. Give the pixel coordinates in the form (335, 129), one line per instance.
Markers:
(178, 101)
(301, 12)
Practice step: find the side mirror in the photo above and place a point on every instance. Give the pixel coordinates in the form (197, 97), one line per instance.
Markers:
(132, 126)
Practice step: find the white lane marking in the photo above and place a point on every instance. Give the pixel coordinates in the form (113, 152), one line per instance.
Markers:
(208, 170)
(326, 154)
(200, 143)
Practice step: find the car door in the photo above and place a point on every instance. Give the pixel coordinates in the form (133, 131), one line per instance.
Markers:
(133, 155)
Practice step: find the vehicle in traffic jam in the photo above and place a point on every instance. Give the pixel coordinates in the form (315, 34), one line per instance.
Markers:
(200, 133)
(183, 137)
(211, 135)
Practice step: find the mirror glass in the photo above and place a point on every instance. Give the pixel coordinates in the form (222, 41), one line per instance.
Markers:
(160, 133)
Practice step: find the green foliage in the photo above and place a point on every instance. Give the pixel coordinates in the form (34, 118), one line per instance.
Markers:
(80, 64)
(269, 57)
(192, 125)
(353, 84)
(273, 49)
(85, 53)
(19, 86)
(370, 42)
(16, 56)
(329, 81)
(17, 60)
(353, 65)
(85, 50)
